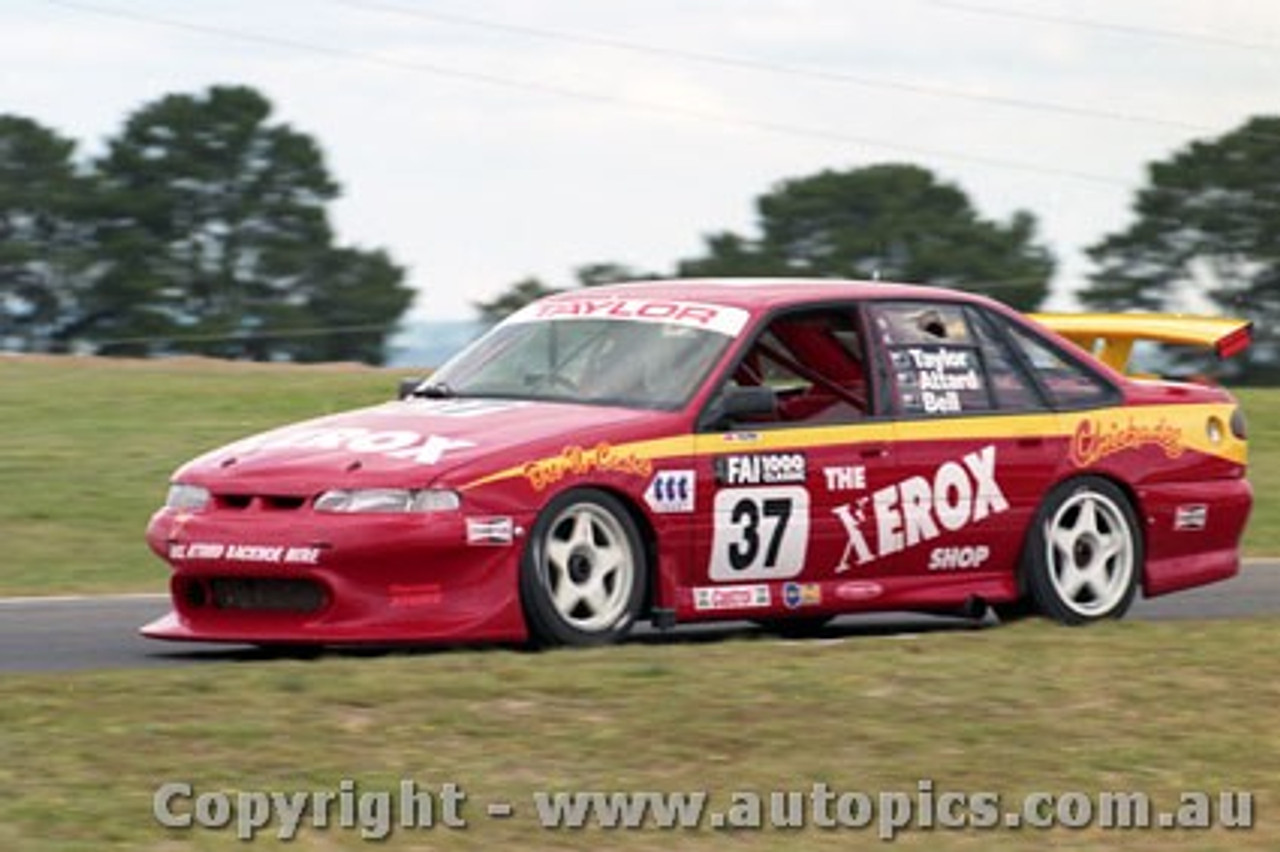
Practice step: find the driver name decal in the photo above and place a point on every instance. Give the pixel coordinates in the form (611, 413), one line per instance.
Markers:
(920, 509)
(936, 379)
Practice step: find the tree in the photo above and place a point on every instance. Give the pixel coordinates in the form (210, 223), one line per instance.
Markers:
(512, 299)
(213, 222)
(895, 222)
(43, 252)
(1207, 225)
(596, 274)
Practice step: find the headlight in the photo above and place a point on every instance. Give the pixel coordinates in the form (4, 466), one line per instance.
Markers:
(388, 500)
(186, 498)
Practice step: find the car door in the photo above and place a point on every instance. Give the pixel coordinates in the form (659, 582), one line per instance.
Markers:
(976, 443)
(787, 490)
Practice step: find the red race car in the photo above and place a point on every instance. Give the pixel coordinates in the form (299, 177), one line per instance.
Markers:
(780, 451)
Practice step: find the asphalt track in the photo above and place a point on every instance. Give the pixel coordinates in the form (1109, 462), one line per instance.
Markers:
(63, 634)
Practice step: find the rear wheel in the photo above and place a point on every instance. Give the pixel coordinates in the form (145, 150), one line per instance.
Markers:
(1084, 553)
(583, 574)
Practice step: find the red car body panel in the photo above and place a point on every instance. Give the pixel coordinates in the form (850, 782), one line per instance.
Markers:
(919, 513)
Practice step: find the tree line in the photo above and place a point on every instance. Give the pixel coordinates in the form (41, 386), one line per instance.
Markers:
(203, 228)
(1206, 226)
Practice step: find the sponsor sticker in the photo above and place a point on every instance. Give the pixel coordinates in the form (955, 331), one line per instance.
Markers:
(671, 491)
(392, 443)
(796, 595)
(919, 509)
(423, 594)
(958, 558)
(761, 469)
(580, 460)
(490, 531)
(1191, 518)
(718, 318)
(859, 590)
(267, 554)
(731, 597)
(1096, 438)
(845, 477)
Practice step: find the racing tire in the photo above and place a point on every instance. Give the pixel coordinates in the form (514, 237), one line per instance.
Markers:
(1084, 553)
(583, 574)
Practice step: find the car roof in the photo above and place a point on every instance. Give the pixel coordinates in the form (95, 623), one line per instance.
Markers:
(762, 294)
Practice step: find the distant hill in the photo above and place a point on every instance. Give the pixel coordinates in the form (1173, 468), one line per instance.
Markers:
(429, 343)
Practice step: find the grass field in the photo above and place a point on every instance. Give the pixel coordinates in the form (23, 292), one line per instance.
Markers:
(86, 448)
(1131, 706)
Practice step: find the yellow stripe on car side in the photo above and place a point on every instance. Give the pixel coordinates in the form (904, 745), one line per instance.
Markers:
(1098, 433)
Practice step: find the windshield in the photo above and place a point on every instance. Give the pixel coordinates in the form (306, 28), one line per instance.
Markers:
(639, 364)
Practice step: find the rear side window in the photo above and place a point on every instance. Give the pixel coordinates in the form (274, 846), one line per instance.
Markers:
(1068, 383)
(1010, 382)
(935, 364)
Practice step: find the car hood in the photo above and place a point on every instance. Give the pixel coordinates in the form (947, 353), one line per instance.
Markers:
(413, 443)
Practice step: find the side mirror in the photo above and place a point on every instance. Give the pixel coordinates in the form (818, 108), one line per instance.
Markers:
(408, 386)
(743, 403)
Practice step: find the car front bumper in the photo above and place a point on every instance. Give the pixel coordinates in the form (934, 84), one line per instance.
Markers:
(309, 578)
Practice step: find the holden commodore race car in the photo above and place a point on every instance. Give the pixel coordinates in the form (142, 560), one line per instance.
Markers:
(781, 451)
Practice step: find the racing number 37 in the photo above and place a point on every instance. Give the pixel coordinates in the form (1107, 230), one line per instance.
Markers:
(760, 533)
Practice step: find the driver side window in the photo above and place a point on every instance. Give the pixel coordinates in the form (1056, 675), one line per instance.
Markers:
(813, 360)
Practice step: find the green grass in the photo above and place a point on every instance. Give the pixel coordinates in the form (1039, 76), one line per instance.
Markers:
(1150, 707)
(1262, 410)
(87, 446)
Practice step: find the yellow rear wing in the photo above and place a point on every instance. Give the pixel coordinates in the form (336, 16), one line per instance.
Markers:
(1110, 337)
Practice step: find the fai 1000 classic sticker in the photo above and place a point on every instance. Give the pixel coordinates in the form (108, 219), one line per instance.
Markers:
(761, 469)
(919, 509)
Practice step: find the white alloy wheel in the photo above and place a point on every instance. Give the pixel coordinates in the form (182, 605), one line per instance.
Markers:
(1085, 554)
(590, 567)
(1090, 553)
(584, 571)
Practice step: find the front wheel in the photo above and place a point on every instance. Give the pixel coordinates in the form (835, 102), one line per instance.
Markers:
(583, 574)
(1084, 553)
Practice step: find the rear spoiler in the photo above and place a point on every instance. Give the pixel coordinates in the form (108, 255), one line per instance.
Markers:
(1110, 337)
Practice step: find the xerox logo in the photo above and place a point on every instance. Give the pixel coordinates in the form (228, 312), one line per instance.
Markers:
(920, 509)
(394, 443)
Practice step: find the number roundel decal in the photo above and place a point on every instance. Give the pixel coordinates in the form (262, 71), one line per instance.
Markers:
(760, 533)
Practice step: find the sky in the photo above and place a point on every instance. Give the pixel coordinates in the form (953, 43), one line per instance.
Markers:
(484, 141)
